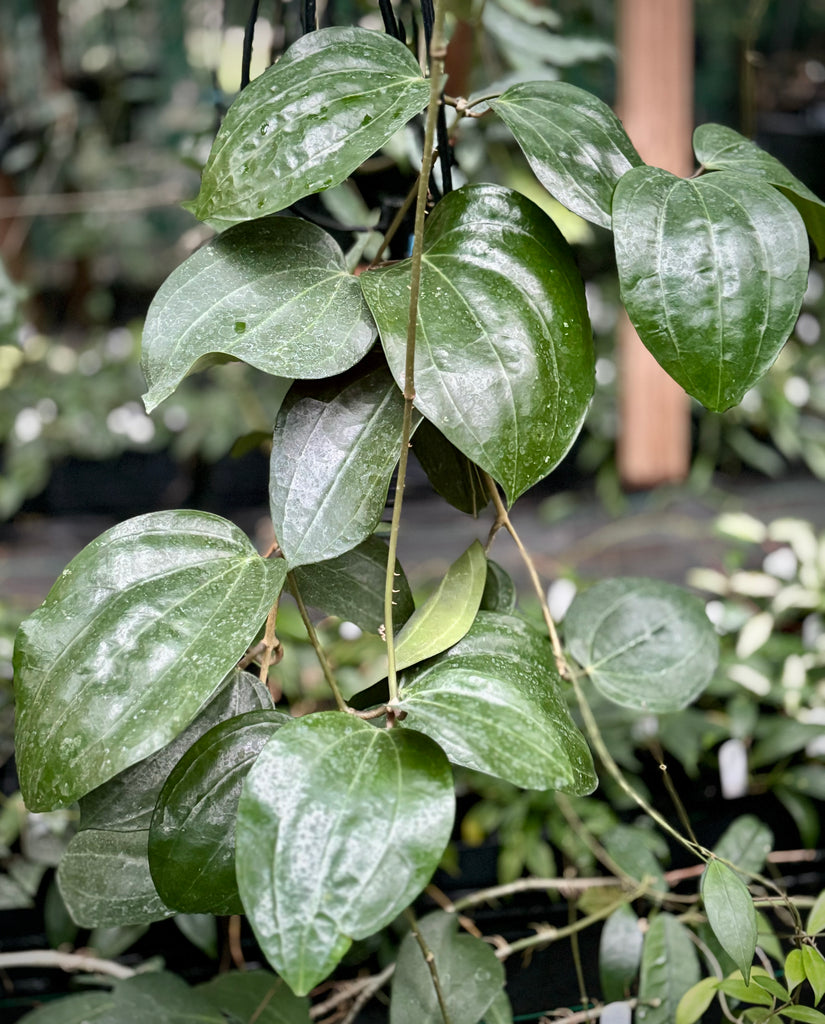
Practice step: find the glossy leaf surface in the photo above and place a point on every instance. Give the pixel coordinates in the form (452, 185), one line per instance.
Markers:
(712, 272)
(499, 590)
(132, 641)
(719, 148)
(646, 644)
(451, 473)
(503, 360)
(255, 997)
(334, 450)
(340, 826)
(669, 968)
(493, 702)
(274, 293)
(333, 99)
(192, 838)
(574, 142)
(620, 953)
(471, 976)
(731, 914)
(447, 613)
(351, 586)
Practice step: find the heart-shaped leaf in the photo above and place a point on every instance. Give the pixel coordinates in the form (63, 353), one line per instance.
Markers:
(255, 997)
(503, 359)
(334, 449)
(669, 968)
(574, 142)
(646, 644)
(469, 972)
(192, 838)
(722, 149)
(351, 586)
(100, 669)
(712, 272)
(731, 914)
(333, 99)
(274, 293)
(494, 703)
(447, 613)
(340, 826)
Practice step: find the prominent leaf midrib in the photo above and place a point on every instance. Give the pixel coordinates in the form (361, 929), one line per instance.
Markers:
(633, 642)
(721, 328)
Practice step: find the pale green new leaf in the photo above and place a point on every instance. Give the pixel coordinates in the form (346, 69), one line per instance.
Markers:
(669, 968)
(816, 916)
(132, 641)
(794, 969)
(806, 1014)
(696, 1000)
(814, 970)
(274, 293)
(731, 914)
(333, 99)
(447, 613)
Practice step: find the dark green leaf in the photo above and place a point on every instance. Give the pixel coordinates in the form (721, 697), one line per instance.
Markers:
(274, 293)
(499, 590)
(192, 838)
(696, 1000)
(256, 997)
(646, 644)
(351, 586)
(620, 953)
(110, 942)
(575, 144)
(494, 703)
(504, 359)
(333, 99)
(814, 970)
(712, 272)
(132, 641)
(745, 843)
(630, 849)
(469, 973)
(722, 149)
(365, 815)
(669, 968)
(201, 930)
(447, 613)
(85, 1008)
(731, 914)
(451, 473)
(334, 450)
(162, 998)
(499, 1011)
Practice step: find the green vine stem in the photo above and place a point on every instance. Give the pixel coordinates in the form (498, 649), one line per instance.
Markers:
(316, 643)
(437, 54)
(429, 959)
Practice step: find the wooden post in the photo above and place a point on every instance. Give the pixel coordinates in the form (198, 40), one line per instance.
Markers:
(655, 103)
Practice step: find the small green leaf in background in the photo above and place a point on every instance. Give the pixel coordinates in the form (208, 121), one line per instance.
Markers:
(696, 1000)
(255, 997)
(470, 975)
(816, 916)
(494, 703)
(722, 149)
(630, 848)
(450, 472)
(504, 358)
(736, 986)
(192, 838)
(351, 586)
(332, 100)
(731, 914)
(499, 1011)
(201, 930)
(447, 613)
(85, 1008)
(646, 644)
(163, 998)
(574, 142)
(132, 641)
(340, 826)
(814, 969)
(499, 590)
(274, 293)
(669, 968)
(335, 446)
(745, 843)
(712, 272)
(620, 953)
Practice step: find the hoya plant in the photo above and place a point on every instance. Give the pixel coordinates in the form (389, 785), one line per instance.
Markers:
(141, 682)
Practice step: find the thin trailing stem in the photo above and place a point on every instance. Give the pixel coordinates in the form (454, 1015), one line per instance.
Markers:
(437, 55)
(272, 649)
(429, 959)
(316, 643)
(396, 223)
(64, 962)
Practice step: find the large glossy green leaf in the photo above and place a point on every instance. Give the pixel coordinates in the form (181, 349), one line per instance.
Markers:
(274, 293)
(712, 272)
(493, 701)
(646, 644)
(669, 968)
(447, 613)
(340, 826)
(255, 997)
(575, 144)
(731, 914)
(746, 843)
(722, 149)
(451, 473)
(333, 99)
(351, 586)
(469, 973)
(132, 641)
(333, 453)
(192, 837)
(504, 360)
(620, 953)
